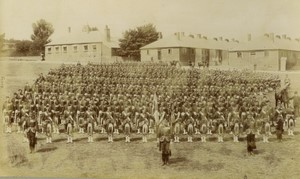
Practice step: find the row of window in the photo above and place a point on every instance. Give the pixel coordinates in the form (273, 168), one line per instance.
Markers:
(240, 55)
(169, 51)
(75, 49)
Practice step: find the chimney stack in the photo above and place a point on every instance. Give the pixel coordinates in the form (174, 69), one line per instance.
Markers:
(160, 36)
(177, 34)
(249, 37)
(192, 36)
(272, 36)
(107, 33)
(284, 36)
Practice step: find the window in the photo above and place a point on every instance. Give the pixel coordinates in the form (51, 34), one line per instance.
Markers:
(169, 51)
(252, 53)
(147, 52)
(94, 48)
(75, 48)
(266, 53)
(57, 49)
(159, 55)
(49, 50)
(65, 49)
(239, 54)
(86, 48)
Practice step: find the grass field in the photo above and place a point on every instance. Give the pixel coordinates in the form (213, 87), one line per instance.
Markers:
(139, 160)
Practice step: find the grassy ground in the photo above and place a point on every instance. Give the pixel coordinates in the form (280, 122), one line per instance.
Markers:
(139, 160)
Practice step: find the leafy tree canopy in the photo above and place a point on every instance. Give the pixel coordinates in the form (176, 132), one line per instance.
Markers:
(134, 39)
(41, 33)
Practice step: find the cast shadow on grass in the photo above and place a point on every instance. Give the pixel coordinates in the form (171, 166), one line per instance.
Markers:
(177, 160)
(46, 149)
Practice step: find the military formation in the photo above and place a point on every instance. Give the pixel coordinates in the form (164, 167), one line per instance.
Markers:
(143, 98)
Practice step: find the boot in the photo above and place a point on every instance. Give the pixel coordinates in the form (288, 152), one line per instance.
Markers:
(50, 140)
(267, 139)
(184, 132)
(138, 131)
(221, 139)
(71, 139)
(92, 140)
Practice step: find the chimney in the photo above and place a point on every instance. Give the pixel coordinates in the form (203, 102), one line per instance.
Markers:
(272, 36)
(204, 37)
(227, 40)
(199, 36)
(160, 36)
(249, 37)
(266, 35)
(278, 37)
(216, 39)
(192, 36)
(107, 33)
(69, 29)
(221, 38)
(284, 36)
(177, 34)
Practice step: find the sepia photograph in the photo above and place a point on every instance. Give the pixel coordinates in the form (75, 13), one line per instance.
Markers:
(203, 89)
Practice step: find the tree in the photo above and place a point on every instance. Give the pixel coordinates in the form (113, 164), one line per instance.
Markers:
(134, 39)
(2, 36)
(23, 48)
(40, 37)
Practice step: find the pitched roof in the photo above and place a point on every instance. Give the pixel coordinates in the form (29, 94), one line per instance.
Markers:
(82, 37)
(266, 43)
(186, 41)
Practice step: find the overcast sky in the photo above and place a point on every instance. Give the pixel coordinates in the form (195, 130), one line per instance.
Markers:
(214, 18)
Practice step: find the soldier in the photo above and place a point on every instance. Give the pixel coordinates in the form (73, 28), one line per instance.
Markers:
(90, 129)
(31, 135)
(70, 124)
(164, 145)
(250, 142)
(279, 128)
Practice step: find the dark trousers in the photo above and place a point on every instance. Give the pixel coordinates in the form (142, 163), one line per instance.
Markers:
(165, 158)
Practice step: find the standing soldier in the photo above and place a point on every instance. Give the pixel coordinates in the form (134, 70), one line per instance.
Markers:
(250, 142)
(70, 123)
(279, 128)
(31, 135)
(164, 145)
(90, 129)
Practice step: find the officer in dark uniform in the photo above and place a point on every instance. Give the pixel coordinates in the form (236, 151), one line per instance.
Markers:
(164, 145)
